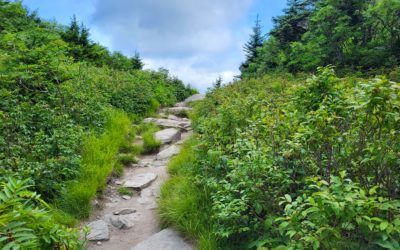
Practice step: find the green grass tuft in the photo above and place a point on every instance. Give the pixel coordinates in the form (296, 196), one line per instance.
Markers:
(183, 204)
(126, 159)
(125, 191)
(98, 160)
(150, 144)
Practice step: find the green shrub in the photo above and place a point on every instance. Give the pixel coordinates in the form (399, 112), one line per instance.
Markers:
(262, 139)
(339, 215)
(26, 221)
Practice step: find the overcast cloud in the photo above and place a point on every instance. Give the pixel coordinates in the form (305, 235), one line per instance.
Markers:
(195, 40)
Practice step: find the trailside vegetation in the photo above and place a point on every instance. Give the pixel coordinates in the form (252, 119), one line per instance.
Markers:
(353, 35)
(66, 110)
(286, 162)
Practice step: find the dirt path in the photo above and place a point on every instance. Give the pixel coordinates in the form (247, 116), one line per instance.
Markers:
(138, 219)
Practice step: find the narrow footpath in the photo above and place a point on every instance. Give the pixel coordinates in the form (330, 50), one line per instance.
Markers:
(131, 222)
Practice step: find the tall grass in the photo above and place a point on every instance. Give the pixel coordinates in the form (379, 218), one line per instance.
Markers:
(150, 144)
(98, 158)
(183, 204)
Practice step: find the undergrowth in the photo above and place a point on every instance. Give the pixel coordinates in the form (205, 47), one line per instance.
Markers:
(150, 144)
(184, 204)
(98, 159)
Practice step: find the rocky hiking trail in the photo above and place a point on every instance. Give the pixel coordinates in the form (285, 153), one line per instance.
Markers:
(124, 222)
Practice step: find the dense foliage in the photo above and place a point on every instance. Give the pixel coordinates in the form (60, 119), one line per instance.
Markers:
(50, 97)
(66, 108)
(352, 35)
(26, 224)
(295, 163)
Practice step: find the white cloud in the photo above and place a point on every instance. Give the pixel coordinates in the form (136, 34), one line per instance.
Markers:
(195, 40)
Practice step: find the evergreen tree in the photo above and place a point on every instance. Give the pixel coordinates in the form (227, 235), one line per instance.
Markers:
(218, 83)
(294, 22)
(137, 62)
(251, 48)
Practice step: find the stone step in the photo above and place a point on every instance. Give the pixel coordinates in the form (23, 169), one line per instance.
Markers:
(167, 239)
(183, 124)
(168, 135)
(139, 181)
(167, 153)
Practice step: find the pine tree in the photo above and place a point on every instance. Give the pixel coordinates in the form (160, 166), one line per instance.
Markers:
(251, 47)
(218, 83)
(137, 62)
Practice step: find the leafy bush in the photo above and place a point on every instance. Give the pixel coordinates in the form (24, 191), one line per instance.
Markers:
(339, 215)
(26, 221)
(263, 139)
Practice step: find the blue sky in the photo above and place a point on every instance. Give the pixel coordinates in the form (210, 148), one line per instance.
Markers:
(196, 40)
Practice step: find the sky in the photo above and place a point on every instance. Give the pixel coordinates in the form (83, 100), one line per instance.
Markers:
(196, 40)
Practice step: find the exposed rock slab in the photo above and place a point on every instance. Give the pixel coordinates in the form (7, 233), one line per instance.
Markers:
(194, 98)
(168, 123)
(177, 110)
(180, 104)
(98, 231)
(168, 135)
(140, 181)
(168, 152)
(167, 239)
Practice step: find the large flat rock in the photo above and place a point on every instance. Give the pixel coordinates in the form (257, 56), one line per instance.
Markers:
(167, 239)
(183, 124)
(140, 181)
(168, 135)
(168, 152)
(98, 231)
(194, 98)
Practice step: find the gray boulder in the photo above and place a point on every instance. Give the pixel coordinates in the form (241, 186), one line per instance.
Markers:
(168, 135)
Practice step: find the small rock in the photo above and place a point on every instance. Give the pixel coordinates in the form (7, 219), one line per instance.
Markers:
(125, 211)
(118, 182)
(140, 181)
(99, 231)
(99, 243)
(95, 203)
(126, 197)
(122, 221)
